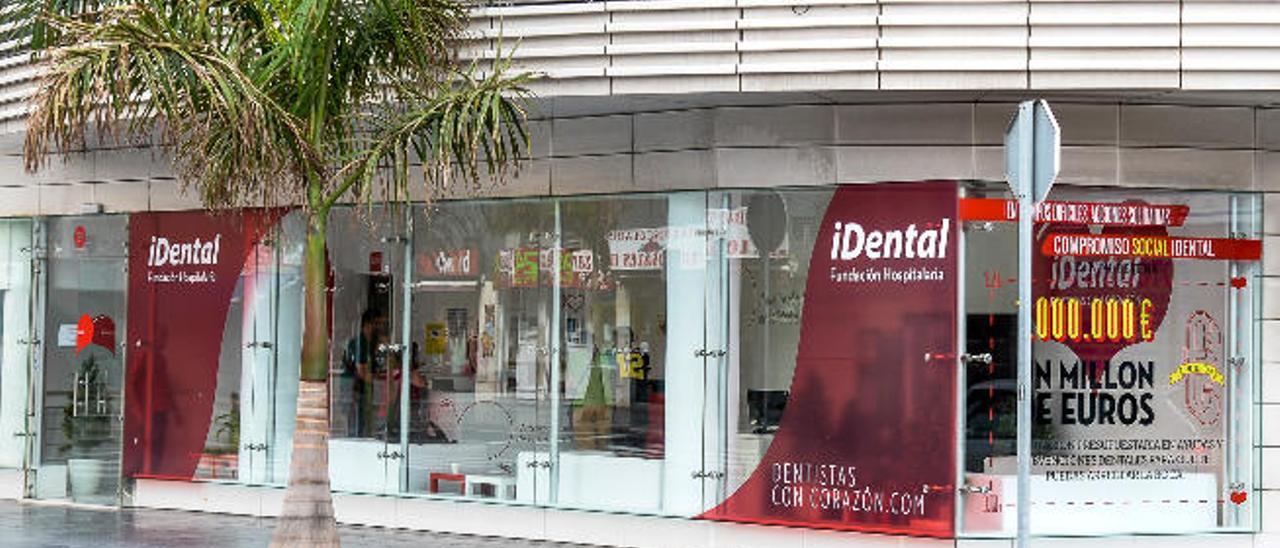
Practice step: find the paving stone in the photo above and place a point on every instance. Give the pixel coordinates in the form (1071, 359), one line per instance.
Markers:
(24, 525)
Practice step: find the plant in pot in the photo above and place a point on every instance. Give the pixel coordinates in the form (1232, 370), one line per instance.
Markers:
(86, 427)
(220, 458)
(227, 429)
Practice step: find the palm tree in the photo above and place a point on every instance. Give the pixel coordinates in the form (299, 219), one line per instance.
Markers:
(266, 102)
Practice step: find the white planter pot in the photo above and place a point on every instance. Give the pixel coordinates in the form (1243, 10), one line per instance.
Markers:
(84, 480)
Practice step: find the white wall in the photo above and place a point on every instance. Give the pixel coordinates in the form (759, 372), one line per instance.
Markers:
(657, 143)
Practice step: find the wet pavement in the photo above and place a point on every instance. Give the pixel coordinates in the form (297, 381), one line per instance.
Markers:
(48, 526)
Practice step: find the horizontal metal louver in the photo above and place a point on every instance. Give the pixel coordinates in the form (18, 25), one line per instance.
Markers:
(687, 46)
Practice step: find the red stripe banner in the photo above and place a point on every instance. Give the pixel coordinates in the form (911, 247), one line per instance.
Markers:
(1076, 213)
(1160, 247)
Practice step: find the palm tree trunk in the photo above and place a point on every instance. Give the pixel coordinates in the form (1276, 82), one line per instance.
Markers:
(306, 518)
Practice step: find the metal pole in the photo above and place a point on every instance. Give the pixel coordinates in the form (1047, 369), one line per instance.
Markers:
(1026, 220)
(962, 381)
(406, 347)
(553, 361)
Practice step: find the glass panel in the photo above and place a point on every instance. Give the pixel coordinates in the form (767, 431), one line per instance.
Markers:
(221, 457)
(990, 381)
(272, 401)
(195, 379)
(631, 305)
(15, 333)
(481, 320)
(761, 299)
(1243, 343)
(253, 406)
(367, 254)
(840, 349)
(765, 295)
(79, 457)
(1144, 358)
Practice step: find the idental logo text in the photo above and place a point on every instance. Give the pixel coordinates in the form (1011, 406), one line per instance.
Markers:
(196, 252)
(850, 241)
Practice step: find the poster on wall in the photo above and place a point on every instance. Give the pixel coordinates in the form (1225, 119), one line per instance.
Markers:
(180, 262)
(867, 442)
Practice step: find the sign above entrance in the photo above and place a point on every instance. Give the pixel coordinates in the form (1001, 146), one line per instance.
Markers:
(448, 262)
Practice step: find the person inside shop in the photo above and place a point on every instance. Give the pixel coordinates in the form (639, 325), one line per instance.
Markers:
(357, 367)
(421, 428)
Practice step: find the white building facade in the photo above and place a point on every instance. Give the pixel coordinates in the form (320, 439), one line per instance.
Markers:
(754, 286)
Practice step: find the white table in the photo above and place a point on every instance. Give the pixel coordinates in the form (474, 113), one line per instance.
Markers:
(504, 487)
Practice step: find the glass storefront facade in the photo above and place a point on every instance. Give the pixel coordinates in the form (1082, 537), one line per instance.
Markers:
(834, 357)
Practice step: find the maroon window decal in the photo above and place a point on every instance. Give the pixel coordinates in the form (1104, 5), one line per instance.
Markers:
(183, 268)
(867, 441)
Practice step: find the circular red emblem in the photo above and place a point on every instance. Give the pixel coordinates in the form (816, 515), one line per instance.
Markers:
(79, 237)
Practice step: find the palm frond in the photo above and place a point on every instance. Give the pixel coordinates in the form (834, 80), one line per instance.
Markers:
(276, 100)
(472, 130)
(126, 70)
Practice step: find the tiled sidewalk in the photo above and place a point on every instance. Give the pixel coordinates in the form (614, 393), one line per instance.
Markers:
(47, 526)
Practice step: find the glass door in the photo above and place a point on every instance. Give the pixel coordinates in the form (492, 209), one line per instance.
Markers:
(615, 330)
(481, 350)
(80, 392)
(759, 244)
(988, 378)
(367, 252)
